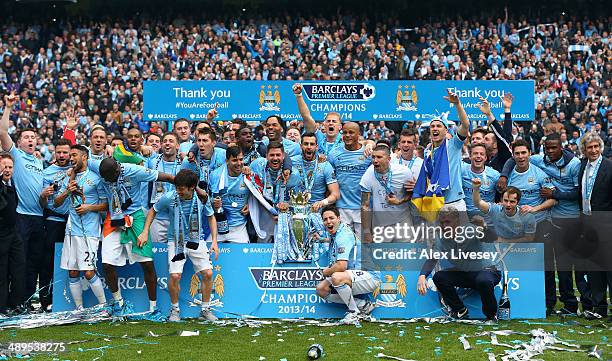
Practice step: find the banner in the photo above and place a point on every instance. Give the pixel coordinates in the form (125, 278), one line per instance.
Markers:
(391, 100)
(245, 283)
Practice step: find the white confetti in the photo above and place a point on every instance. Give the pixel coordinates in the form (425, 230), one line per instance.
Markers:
(189, 333)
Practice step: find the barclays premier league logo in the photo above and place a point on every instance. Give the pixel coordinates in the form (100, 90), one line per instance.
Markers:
(391, 292)
(353, 91)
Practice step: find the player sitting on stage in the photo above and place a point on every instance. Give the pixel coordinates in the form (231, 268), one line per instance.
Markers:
(344, 278)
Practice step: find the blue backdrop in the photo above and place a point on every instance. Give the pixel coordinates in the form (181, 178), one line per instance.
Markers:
(391, 100)
(243, 277)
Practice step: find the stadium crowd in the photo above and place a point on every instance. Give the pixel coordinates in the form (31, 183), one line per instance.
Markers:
(83, 88)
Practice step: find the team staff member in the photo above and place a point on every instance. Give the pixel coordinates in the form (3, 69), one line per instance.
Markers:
(12, 257)
(595, 187)
(28, 179)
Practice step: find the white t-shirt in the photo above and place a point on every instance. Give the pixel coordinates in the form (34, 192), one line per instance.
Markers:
(385, 213)
(414, 164)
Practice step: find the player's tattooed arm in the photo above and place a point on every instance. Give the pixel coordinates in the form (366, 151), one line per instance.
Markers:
(366, 216)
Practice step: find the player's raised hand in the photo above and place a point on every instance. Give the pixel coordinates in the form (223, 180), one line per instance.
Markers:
(10, 100)
(507, 100)
(476, 183)
(452, 97)
(297, 88)
(484, 106)
(212, 113)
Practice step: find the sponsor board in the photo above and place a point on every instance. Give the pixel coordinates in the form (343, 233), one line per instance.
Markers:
(392, 100)
(245, 283)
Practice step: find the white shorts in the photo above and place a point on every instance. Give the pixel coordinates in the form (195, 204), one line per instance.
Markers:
(352, 218)
(363, 282)
(236, 234)
(79, 253)
(117, 254)
(199, 258)
(158, 233)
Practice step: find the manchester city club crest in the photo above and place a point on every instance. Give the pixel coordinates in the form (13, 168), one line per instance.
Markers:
(406, 100)
(217, 291)
(391, 292)
(269, 101)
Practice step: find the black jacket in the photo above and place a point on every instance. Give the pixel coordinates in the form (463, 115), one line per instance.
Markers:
(8, 208)
(601, 199)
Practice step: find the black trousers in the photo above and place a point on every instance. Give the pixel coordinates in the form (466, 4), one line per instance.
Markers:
(600, 282)
(12, 270)
(483, 281)
(544, 234)
(31, 229)
(566, 234)
(54, 233)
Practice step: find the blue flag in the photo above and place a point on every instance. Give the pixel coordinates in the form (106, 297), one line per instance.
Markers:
(434, 179)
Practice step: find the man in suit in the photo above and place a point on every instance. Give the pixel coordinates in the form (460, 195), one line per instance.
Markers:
(12, 256)
(595, 186)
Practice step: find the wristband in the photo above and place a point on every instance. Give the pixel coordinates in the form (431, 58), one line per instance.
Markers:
(325, 202)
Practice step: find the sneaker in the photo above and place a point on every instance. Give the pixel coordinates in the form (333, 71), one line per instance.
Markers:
(590, 315)
(175, 315)
(566, 312)
(156, 316)
(460, 315)
(79, 308)
(351, 318)
(367, 308)
(491, 321)
(207, 315)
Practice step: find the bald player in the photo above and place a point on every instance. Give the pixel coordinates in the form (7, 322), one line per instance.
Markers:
(350, 164)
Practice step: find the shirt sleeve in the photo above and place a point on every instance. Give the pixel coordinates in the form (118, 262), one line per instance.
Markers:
(186, 164)
(345, 245)
(208, 211)
(163, 204)
(529, 225)
(329, 174)
(101, 191)
(456, 143)
(366, 180)
(140, 173)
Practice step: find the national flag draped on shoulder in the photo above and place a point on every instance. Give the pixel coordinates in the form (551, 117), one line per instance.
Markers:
(433, 180)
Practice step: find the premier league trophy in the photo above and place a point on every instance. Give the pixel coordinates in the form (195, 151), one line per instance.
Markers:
(300, 224)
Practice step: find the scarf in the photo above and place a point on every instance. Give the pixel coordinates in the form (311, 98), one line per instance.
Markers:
(157, 188)
(187, 229)
(120, 199)
(308, 177)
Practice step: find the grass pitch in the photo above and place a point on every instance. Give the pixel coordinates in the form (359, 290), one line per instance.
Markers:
(290, 340)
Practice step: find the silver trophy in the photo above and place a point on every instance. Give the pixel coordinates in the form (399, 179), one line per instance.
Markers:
(300, 223)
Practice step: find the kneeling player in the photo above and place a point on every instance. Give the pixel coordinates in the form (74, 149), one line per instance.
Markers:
(343, 277)
(187, 207)
(79, 252)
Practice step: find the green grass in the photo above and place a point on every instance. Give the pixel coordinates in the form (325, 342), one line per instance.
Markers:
(288, 340)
